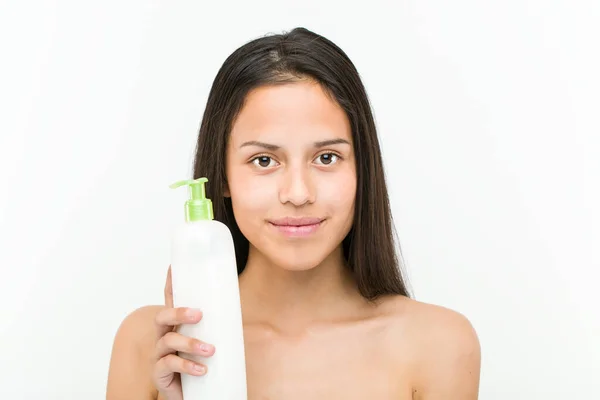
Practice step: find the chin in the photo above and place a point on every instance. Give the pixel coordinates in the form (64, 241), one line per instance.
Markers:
(294, 262)
(292, 257)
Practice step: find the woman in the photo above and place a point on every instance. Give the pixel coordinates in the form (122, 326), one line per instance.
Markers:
(289, 134)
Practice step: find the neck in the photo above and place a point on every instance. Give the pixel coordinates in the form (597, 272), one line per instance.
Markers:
(293, 300)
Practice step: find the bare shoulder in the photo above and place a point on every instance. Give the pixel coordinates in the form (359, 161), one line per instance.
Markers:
(441, 325)
(141, 323)
(129, 374)
(446, 349)
(138, 328)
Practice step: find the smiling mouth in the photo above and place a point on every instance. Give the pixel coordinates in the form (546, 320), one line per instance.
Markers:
(297, 227)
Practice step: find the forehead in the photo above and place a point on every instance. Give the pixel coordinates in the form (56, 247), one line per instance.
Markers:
(294, 111)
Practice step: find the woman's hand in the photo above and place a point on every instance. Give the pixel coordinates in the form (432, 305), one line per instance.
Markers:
(168, 365)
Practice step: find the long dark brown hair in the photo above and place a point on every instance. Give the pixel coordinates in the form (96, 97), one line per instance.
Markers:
(370, 246)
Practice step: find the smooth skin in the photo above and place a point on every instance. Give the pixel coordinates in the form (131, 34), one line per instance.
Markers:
(308, 333)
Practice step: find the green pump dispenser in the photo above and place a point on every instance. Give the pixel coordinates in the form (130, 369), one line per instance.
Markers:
(198, 207)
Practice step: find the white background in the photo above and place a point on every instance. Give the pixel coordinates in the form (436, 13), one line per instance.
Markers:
(488, 116)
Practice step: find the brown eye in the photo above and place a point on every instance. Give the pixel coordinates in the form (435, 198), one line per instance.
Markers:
(327, 158)
(262, 161)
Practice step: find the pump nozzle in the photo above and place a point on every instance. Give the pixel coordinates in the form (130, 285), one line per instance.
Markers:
(198, 207)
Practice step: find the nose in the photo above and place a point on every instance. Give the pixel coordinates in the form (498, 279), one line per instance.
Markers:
(296, 187)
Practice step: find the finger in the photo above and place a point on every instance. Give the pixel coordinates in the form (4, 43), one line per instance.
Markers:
(169, 289)
(173, 342)
(171, 317)
(171, 363)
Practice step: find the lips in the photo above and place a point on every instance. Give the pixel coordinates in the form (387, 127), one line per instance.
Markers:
(296, 221)
(296, 227)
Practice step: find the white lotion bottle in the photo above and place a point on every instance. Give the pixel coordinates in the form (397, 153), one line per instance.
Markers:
(204, 276)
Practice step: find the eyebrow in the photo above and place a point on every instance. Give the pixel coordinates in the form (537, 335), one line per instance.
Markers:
(273, 147)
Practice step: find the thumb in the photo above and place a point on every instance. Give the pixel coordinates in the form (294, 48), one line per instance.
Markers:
(169, 290)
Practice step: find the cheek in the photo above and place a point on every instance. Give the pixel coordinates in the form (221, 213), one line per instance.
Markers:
(250, 198)
(339, 194)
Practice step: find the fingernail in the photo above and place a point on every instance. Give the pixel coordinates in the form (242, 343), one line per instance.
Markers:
(192, 312)
(206, 347)
(199, 368)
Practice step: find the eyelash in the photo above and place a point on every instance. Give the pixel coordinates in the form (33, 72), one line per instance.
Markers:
(338, 157)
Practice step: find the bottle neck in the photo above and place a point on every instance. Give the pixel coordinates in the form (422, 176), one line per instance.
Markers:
(198, 210)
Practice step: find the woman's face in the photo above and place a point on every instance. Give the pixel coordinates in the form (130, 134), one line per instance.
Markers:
(291, 174)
